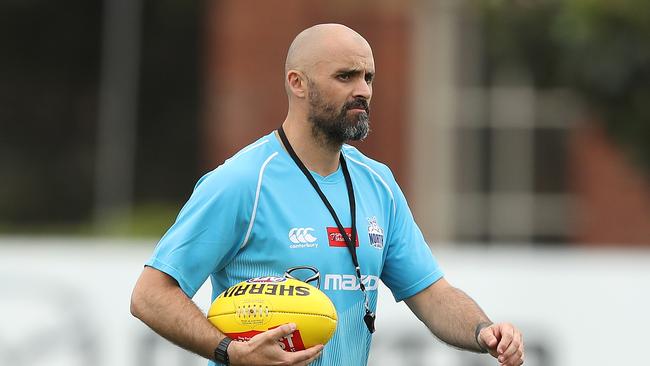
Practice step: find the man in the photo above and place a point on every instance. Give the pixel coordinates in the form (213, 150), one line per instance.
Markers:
(284, 201)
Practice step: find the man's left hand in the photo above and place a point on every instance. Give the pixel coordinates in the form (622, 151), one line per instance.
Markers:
(504, 342)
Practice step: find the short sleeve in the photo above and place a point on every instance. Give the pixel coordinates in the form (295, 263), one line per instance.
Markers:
(409, 267)
(208, 231)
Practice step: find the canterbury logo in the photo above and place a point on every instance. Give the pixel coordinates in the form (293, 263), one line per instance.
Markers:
(299, 235)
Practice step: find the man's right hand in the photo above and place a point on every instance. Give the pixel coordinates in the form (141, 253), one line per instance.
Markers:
(264, 349)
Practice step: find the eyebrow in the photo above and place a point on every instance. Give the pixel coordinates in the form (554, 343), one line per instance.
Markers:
(353, 71)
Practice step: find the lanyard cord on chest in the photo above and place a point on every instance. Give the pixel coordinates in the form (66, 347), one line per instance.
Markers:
(350, 241)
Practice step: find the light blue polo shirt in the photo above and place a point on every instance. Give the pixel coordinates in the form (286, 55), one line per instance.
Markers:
(257, 215)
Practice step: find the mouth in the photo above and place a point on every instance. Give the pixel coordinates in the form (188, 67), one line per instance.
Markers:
(358, 110)
(358, 106)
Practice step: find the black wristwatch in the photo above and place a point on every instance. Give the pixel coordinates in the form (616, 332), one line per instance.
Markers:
(221, 352)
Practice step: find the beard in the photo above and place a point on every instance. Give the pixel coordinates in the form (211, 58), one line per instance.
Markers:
(337, 126)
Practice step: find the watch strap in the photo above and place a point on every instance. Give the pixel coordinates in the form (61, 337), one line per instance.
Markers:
(221, 352)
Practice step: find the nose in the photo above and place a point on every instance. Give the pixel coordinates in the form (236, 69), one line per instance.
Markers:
(362, 89)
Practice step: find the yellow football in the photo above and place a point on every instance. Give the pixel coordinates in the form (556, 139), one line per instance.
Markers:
(259, 304)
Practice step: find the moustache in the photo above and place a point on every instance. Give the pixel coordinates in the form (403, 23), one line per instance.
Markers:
(358, 103)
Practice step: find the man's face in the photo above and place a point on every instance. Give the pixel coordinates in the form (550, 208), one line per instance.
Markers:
(339, 96)
(338, 122)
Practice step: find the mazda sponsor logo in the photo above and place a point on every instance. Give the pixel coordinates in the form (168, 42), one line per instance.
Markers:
(349, 282)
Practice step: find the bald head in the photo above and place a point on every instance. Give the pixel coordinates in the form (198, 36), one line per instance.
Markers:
(322, 42)
(328, 79)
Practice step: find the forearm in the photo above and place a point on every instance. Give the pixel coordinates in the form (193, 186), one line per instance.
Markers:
(455, 318)
(451, 315)
(164, 307)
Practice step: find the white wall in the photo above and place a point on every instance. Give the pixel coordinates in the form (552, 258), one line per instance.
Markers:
(65, 302)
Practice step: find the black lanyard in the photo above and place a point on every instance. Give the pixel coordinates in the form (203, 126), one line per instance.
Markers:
(350, 241)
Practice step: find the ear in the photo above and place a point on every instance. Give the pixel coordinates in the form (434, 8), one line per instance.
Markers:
(297, 83)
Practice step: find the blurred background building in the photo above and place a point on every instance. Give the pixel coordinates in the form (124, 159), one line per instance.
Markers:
(523, 124)
(504, 121)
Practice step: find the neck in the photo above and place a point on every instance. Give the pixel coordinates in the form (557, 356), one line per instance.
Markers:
(313, 149)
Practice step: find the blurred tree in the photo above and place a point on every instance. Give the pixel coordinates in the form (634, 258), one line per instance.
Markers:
(606, 57)
(517, 35)
(598, 48)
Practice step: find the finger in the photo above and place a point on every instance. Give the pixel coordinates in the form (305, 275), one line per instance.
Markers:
(279, 332)
(514, 360)
(488, 338)
(506, 338)
(514, 346)
(496, 330)
(312, 359)
(306, 356)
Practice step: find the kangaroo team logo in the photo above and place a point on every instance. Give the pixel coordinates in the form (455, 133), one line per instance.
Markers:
(376, 233)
